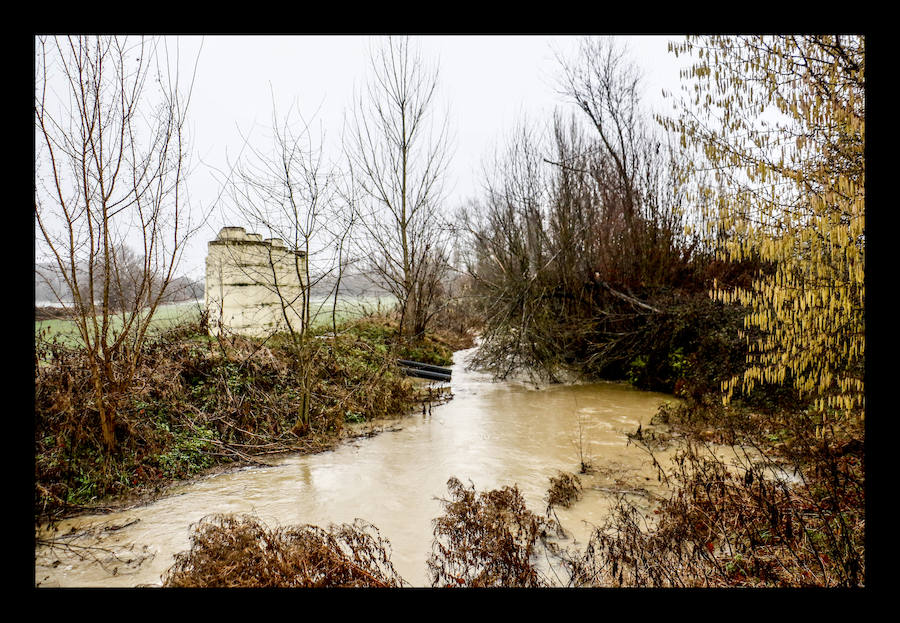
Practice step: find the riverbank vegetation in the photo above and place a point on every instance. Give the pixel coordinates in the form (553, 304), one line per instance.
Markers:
(199, 402)
(718, 254)
(722, 261)
(784, 507)
(230, 551)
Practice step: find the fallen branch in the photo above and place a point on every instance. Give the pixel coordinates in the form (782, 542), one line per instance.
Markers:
(625, 297)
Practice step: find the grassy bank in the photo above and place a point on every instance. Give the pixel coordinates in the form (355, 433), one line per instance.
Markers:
(199, 403)
(786, 509)
(52, 322)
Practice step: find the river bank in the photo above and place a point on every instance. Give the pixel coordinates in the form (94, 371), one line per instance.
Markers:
(199, 404)
(741, 522)
(492, 434)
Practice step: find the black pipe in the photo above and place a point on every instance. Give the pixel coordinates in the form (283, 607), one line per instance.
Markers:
(424, 366)
(426, 374)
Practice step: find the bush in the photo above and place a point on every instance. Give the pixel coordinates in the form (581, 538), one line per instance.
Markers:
(786, 509)
(230, 551)
(198, 402)
(486, 539)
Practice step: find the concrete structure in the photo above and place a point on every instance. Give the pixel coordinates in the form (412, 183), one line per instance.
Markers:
(252, 284)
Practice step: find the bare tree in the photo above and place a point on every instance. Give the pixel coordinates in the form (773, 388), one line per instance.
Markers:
(110, 166)
(512, 258)
(399, 160)
(580, 230)
(125, 281)
(604, 85)
(635, 173)
(289, 192)
(282, 191)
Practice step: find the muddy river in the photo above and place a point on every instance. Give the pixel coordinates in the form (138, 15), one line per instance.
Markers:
(490, 434)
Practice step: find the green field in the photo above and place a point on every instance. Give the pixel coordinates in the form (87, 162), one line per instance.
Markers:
(348, 308)
(170, 315)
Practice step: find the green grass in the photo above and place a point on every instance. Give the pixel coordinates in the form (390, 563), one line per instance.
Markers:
(348, 308)
(168, 316)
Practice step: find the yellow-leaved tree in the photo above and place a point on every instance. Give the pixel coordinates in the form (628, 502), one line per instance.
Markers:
(778, 122)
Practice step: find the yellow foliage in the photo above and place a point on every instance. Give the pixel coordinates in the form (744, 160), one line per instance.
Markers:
(784, 129)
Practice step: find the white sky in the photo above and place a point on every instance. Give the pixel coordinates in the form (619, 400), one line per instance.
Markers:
(489, 83)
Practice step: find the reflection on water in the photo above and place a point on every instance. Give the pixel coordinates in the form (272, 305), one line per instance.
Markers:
(490, 434)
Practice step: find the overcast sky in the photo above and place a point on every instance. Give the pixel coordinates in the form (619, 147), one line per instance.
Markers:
(488, 83)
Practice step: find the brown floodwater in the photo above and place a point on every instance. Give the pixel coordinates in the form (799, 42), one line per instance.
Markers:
(491, 434)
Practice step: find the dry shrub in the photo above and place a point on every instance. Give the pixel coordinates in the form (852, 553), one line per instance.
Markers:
(240, 551)
(564, 490)
(728, 525)
(194, 403)
(486, 540)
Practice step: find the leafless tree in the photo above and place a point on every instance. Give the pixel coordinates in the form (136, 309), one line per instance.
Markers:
(579, 223)
(634, 169)
(511, 255)
(283, 190)
(290, 192)
(399, 158)
(124, 284)
(110, 166)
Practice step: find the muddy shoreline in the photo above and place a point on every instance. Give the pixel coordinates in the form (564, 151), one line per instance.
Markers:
(492, 434)
(140, 498)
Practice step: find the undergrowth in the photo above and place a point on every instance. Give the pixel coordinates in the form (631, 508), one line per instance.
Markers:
(486, 539)
(786, 509)
(199, 402)
(231, 551)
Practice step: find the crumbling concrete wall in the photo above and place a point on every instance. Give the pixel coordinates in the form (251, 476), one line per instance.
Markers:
(253, 286)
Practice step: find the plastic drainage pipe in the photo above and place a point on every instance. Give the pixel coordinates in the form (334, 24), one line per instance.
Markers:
(427, 374)
(424, 366)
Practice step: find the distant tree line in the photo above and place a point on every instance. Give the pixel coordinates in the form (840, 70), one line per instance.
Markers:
(51, 289)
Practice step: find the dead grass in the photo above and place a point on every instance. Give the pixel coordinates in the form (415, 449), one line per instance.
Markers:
(230, 551)
(565, 489)
(791, 517)
(486, 539)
